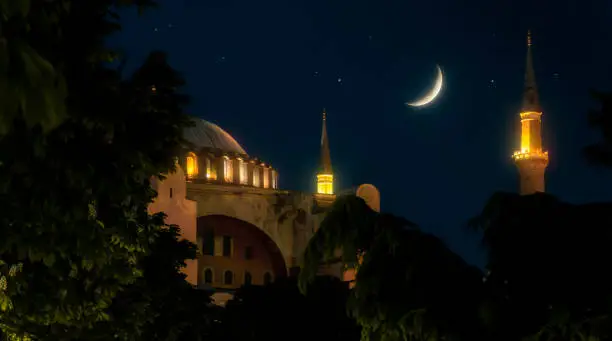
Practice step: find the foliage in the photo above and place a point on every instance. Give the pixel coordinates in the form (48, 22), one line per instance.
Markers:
(35, 71)
(547, 264)
(546, 272)
(279, 311)
(171, 309)
(75, 167)
(409, 286)
(600, 153)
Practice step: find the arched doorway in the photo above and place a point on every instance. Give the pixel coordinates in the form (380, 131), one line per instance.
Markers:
(237, 253)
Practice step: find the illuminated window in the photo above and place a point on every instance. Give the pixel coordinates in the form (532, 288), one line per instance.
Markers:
(208, 276)
(325, 184)
(211, 171)
(274, 179)
(228, 170)
(191, 166)
(244, 174)
(227, 246)
(248, 279)
(256, 175)
(267, 278)
(266, 178)
(228, 277)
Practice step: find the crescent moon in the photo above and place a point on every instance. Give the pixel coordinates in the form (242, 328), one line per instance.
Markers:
(433, 93)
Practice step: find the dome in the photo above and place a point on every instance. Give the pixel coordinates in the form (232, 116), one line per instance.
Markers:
(209, 135)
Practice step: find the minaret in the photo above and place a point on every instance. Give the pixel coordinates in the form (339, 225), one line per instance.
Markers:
(531, 160)
(325, 176)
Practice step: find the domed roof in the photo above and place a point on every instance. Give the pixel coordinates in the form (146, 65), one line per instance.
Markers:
(209, 135)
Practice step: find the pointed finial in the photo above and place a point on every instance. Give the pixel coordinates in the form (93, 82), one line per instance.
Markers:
(528, 38)
(324, 114)
(530, 95)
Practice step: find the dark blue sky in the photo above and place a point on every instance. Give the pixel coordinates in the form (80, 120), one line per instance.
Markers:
(263, 70)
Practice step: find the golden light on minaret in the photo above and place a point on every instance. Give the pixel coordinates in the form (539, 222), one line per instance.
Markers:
(531, 159)
(325, 176)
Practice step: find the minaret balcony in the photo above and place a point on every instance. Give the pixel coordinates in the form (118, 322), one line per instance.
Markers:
(530, 155)
(530, 115)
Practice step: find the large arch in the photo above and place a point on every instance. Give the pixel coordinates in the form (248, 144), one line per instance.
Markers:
(244, 235)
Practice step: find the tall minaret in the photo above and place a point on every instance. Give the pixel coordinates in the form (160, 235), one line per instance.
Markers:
(531, 160)
(325, 176)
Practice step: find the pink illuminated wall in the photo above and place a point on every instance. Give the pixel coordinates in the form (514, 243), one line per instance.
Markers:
(171, 199)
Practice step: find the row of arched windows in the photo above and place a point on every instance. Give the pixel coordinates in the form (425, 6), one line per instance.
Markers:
(249, 172)
(228, 277)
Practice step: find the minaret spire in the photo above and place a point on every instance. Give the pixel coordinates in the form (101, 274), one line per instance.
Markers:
(531, 159)
(325, 176)
(531, 101)
(325, 154)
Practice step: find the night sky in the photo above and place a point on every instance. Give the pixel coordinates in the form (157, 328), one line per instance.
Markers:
(264, 70)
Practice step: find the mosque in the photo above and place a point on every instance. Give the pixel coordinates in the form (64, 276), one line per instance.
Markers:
(250, 232)
(228, 202)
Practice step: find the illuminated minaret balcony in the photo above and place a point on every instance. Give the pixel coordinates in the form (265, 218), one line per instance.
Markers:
(531, 137)
(325, 184)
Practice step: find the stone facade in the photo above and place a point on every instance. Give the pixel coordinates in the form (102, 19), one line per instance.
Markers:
(288, 218)
(248, 231)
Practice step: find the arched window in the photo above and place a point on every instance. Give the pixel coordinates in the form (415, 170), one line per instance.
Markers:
(256, 175)
(208, 243)
(228, 277)
(191, 166)
(266, 178)
(208, 276)
(211, 168)
(228, 170)
(228, 244)
(244, 174)
(274, 179)
(248, 279)
(267, 278)
(248, 253)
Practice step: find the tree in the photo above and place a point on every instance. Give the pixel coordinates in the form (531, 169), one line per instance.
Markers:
(600, 153)
(269, 312)
(75, 166)
(171, 309)
(409, 285)
(547, 269)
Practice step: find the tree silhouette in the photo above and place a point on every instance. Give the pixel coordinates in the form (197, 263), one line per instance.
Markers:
(409, 285)
(161, 305)
(269, 312)
(547, 269)
(600, 153)
(79, 147)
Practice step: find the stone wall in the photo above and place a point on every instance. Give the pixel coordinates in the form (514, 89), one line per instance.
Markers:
(289, 218)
